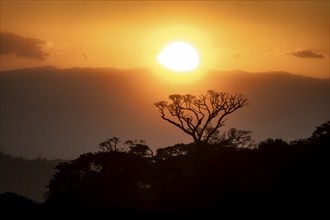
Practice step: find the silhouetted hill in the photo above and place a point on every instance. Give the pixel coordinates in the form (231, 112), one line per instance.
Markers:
(60, 113)
(283, 105)
(26, 177)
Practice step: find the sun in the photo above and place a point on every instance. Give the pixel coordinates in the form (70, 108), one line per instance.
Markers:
(179, 56)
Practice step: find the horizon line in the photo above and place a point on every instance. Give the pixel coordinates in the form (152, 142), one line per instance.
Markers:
(148, 68)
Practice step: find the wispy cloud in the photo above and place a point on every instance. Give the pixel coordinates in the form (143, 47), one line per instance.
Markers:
(305, 54)
(27, 47)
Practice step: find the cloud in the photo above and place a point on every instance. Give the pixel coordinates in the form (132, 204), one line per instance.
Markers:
(306, 54)
(237, 55)
(27, 47)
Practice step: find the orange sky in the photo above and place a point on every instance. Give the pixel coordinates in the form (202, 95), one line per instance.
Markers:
(249, 35)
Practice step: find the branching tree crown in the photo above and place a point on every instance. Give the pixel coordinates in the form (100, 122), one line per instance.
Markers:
(202, 116)
(111, 144)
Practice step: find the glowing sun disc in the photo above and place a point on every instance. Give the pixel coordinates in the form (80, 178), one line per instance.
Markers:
(179, 56)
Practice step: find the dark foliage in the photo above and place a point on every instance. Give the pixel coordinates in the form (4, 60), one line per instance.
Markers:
(274, 177)
(15, 205)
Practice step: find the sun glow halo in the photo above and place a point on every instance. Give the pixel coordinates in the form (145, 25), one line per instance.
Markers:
(179, 56)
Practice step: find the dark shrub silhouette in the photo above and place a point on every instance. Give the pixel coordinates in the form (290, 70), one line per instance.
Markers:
(13, 204)
(103, 181)
(185, 179)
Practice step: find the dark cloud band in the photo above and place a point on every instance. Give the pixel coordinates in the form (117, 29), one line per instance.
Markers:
(306, 54)
(27, 47)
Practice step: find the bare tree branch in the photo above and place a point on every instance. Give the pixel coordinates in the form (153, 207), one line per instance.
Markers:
(195, 115)
(110, 144)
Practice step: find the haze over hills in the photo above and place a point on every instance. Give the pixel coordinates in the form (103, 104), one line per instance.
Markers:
(27, 177)
(61, 113)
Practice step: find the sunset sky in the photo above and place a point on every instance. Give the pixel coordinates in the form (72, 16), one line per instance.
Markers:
(214, 89)
(253, 36)
(257, 48)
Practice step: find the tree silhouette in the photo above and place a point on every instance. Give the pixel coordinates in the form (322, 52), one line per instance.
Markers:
(139, 147)
(189, 180)
(110, 144)
(194, 115)
(234, 138)
(104, 181)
